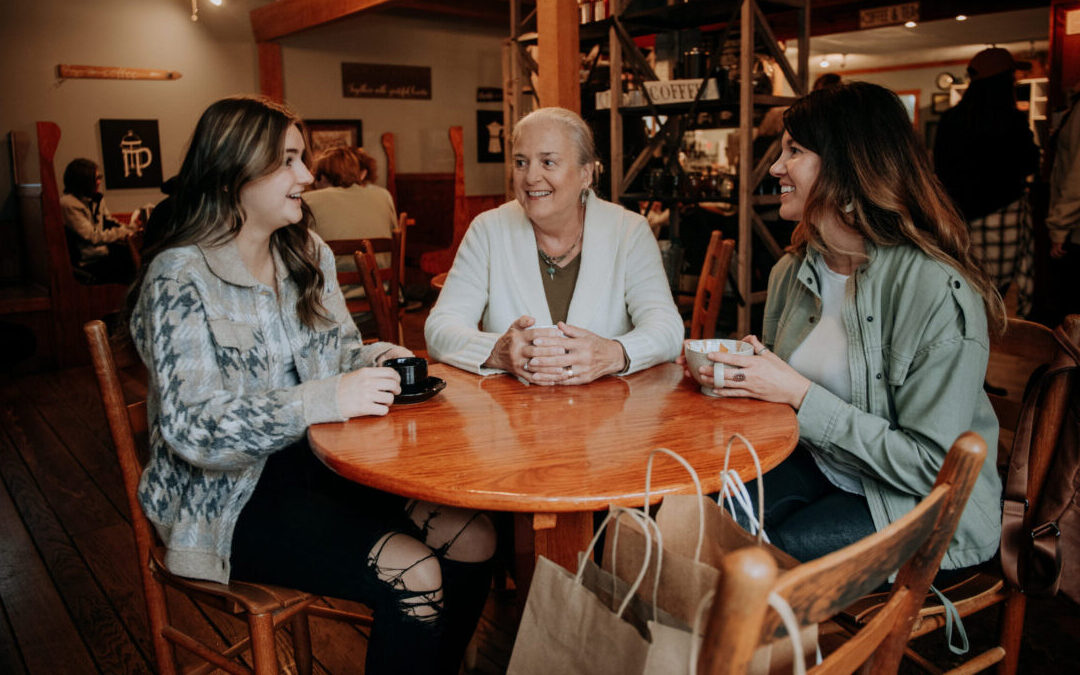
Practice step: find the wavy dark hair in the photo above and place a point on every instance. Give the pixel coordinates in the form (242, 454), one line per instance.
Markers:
(877, 179)
(80, 177)
(236, 141)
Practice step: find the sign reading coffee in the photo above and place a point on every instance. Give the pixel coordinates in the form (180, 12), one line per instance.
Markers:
(373, 80)
(130, 153)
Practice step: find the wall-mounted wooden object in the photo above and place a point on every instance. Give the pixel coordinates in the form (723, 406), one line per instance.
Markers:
(112, 73)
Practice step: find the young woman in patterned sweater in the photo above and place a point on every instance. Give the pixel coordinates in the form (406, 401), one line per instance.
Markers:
(240, 321)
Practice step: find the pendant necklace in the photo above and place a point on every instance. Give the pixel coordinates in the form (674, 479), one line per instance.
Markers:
(551, 261)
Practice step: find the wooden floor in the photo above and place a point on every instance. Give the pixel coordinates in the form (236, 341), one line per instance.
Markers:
(70, 599)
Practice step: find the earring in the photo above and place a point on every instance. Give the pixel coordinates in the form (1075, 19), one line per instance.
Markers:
(584, 196)
(849, 207)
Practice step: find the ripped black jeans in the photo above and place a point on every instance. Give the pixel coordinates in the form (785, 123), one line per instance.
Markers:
(305, 527)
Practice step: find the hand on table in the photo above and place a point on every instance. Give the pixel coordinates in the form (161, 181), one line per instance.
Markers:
(515, 351)
(580, 356)
(764, 376)
(368, 391)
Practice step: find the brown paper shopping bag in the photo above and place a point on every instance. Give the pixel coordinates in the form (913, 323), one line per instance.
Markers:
(695, 527)
(572, 625)
(683, 578)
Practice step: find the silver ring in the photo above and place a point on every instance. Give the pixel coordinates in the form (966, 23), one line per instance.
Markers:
(525, 366)
(763, 350)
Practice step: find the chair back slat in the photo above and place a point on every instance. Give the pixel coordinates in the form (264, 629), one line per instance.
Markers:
(710, 290)
(382, 306)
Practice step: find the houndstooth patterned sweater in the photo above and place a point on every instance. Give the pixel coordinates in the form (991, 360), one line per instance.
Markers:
(202, 325)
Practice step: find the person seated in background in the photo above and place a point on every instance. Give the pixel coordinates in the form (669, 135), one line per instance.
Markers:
(587, 271)
(875, 332)
(97, 244)
(238, 317)
(347, 204)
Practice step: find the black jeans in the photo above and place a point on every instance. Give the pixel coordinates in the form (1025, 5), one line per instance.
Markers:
(305, 527)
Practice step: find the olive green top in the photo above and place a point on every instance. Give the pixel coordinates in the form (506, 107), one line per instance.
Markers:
(559, 287)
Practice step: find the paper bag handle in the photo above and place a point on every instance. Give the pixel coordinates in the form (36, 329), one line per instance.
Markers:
(787, 617)
(645, 522)
(730, 482)
(697, 486)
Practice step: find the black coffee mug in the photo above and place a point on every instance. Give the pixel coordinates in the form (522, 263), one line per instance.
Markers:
(413, 372)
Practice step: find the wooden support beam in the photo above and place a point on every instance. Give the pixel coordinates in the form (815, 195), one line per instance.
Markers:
(285, 17)
(557, 25)
(271, 75)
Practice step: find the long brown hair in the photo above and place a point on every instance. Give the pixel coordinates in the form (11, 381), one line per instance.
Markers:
(237, 140)
(877, 179)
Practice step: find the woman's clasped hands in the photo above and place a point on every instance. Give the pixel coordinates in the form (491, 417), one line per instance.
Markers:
(763, 375)
(561, 354)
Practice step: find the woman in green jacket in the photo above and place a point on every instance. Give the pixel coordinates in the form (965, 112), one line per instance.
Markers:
(875, 331)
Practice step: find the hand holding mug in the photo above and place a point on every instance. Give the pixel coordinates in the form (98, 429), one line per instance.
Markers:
(514, 350)
(368, 391)
(582, 356)
(762, 375)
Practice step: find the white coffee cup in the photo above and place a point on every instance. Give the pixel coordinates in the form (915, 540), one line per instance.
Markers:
(696, 350)
(547, 325)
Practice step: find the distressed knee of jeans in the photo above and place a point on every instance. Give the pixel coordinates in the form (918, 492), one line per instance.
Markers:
(415, 589)
(474, 542)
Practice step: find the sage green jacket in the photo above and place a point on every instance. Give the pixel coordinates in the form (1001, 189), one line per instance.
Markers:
(917, 350)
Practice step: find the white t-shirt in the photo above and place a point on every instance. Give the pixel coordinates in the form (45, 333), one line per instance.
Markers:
(823, 358)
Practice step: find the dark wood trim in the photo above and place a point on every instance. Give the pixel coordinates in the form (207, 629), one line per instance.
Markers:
(285, 17)
(271, 71)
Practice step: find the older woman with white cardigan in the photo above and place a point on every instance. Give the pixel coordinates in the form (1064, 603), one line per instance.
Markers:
(565, 287)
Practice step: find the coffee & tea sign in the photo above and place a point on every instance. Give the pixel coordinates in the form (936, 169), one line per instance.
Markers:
(373, 80)
(130, 153)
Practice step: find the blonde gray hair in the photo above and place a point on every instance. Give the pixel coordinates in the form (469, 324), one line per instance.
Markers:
(581, 136)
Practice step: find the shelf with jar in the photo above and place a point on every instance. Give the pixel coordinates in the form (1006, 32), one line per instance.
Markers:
(719, 78)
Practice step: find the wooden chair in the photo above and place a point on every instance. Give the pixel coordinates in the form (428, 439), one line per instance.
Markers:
(383, 305)
(394, 275)
(264, 608)
(710, 289)
(436, 200)
(739, 620)
(72, 303)
(1032, 347)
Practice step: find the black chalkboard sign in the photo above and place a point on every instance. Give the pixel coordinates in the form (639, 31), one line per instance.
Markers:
(373, 80)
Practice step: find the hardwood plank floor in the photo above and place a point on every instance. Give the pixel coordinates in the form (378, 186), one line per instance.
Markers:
(71, 599)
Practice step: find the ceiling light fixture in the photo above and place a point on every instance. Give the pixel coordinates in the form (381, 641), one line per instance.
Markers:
(910, 24)
(824, 63)
(961, 17)
(195, 8)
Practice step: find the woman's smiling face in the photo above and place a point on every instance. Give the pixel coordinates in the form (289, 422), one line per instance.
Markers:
(798, 169)
(548, 178)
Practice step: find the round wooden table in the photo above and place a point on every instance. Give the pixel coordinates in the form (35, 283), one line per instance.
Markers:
(558, 453)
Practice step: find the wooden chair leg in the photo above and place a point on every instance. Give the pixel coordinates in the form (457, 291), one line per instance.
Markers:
(263, 651)
(301, 640)
(1012, 628)
(158, 610)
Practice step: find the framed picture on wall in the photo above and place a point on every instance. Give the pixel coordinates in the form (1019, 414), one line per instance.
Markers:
(939, 102)
(910, 99)
(130, 153)
(489, 136)
(325, 134)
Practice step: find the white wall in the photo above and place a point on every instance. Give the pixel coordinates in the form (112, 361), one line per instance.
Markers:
(461, 58)
(216, 57)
